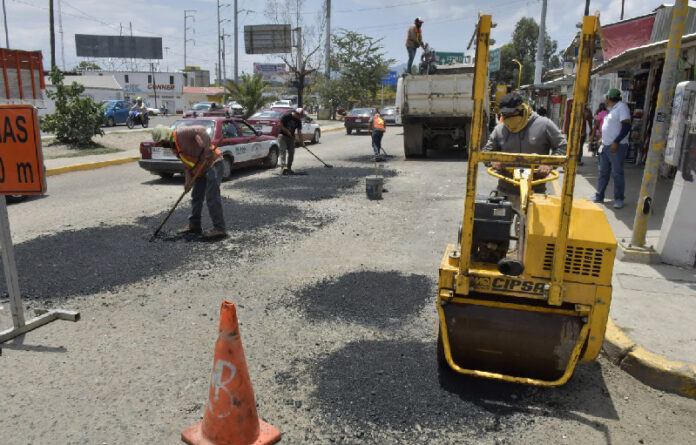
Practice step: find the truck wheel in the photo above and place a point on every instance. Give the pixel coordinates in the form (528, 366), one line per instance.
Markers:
(413, 141)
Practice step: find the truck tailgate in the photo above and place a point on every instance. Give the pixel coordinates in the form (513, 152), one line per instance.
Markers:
(439, 95)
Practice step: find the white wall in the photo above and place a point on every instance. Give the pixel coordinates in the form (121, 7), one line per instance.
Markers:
(98, 94)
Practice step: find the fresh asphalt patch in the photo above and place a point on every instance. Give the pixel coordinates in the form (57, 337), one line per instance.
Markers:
(96, 259)
(316, 184)
(373, 385)
(378, 299)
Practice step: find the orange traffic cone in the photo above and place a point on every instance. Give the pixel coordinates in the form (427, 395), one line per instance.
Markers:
(230, 415)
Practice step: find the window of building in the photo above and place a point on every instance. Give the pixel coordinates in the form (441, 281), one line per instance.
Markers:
(149, 78)
(171, 80)
(125, 76)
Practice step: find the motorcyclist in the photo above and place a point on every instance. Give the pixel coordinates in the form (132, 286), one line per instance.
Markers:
(141, 108)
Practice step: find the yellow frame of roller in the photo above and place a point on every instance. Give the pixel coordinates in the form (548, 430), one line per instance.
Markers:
(579, 296)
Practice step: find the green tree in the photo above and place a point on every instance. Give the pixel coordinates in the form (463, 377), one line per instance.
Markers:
(361, 64)
(249, 93)
(76, 119)
(84, 66)
(523, 48)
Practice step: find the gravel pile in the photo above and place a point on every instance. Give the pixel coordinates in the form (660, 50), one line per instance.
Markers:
(105, 257)
(378, 299)
(318, 184)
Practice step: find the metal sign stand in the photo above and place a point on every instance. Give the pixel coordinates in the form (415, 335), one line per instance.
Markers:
(20, 326)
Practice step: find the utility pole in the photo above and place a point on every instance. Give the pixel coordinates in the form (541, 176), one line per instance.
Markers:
(327, 46)
(188, 14)
(587, 7)
(224, 68)
(541, 43)
(53, 33)
(622, 8)
(154, 84)
(60, 31)
(236, 44)
(217, 70)
(659, 129)
(4, 17)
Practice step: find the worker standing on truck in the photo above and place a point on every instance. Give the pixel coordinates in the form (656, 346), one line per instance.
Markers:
(191, 144)
(414, 40)
(378, 127)
(523, 131)
(289, 123)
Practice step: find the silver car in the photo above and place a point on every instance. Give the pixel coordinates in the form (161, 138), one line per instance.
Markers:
(389, 115)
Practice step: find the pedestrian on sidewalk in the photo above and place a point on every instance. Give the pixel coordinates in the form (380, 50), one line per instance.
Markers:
(615, 129)
(378, 127)
(586, 127)
(596, 136)
(523, 131)
(414, 40)
(289, 124)
(191, 144)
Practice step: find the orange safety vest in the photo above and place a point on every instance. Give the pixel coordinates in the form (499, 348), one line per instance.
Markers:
(379, 124)
(419, 35)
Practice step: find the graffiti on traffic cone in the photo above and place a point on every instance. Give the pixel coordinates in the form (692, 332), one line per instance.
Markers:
(230, 414)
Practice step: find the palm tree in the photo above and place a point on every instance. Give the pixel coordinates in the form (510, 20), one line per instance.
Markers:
(248, 93)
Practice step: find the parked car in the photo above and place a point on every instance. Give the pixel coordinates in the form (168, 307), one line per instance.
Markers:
(389, 115)
(204, 109)
(268, 122)
(235, 109)
(239, 143)
(116, 112)
(153, 111)
(358, 119)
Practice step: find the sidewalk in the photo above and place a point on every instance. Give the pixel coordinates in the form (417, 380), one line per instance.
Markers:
(653, 336)
(64, 165)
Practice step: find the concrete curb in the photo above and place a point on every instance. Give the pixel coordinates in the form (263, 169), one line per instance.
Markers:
(328, 130)
(89, 165)
(650, 368)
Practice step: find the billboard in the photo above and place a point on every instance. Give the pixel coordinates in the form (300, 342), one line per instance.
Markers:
(274, 73)
(494, 60)
(119, 47)
(267, 39)
(390, 78)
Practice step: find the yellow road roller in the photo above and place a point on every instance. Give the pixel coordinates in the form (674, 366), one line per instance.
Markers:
(526, 314)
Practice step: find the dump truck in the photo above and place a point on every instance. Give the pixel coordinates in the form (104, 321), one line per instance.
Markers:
(524, 294)
(435, 109)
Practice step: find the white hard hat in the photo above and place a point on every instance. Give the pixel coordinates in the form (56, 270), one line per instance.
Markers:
(299, 111)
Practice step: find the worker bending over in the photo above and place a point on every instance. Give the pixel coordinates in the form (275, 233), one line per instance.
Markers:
(289, 124)
(203, 171)
(523, 131)
(378, 127)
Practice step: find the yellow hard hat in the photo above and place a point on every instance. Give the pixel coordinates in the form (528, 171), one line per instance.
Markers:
(138, 98)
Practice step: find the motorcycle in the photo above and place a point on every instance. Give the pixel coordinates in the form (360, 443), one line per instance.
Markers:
(135, 117)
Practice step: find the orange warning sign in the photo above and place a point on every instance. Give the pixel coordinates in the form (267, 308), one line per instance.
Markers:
(21, 160)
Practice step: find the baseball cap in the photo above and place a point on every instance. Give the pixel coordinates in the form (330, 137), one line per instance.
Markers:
(420, 19)
(509, 103)
(299, 111)
(614, 94)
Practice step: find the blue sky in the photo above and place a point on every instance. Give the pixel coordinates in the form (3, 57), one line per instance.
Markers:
(448, 26)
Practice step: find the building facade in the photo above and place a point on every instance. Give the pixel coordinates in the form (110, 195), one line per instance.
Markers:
(157, 89)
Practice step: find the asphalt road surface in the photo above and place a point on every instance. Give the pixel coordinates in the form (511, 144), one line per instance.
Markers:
(336, 299)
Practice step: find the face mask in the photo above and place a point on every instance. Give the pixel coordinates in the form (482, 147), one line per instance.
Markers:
(515, 124)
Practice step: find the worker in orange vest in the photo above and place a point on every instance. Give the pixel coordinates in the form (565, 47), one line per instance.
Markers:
(414, 40)
(378, 128)
(203, 171)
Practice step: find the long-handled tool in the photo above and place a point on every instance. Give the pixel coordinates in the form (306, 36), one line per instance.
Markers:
(325, 164)
(186, 190)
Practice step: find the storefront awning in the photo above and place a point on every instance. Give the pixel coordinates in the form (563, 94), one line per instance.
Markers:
(641, 54)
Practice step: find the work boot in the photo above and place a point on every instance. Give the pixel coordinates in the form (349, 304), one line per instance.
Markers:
(190, 229)
(215, 234)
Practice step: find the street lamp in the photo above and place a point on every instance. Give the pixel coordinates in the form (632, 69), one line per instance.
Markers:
(519, 72)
